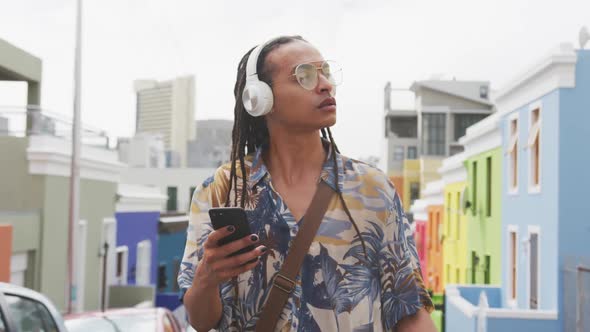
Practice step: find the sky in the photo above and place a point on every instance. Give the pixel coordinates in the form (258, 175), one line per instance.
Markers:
(375, 41)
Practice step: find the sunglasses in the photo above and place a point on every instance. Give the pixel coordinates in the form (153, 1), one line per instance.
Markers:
(307, 74)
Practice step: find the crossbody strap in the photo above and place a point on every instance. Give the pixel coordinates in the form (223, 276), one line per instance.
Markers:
(283, 283)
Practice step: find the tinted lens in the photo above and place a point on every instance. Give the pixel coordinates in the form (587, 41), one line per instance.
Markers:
(307, 76)
(332, 71)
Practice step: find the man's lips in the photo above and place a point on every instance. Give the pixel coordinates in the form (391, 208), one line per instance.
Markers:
(328, 102)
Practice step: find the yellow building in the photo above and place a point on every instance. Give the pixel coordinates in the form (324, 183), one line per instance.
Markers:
(411, 182)
(454, 178)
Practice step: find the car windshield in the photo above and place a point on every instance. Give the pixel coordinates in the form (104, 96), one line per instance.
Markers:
(96, 324)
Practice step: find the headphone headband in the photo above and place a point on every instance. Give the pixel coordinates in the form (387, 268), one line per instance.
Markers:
(257, 97)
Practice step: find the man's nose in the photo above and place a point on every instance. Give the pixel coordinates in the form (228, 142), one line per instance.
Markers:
(324, 85)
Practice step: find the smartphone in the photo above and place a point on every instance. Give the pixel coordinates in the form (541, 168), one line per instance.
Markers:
(225, 216)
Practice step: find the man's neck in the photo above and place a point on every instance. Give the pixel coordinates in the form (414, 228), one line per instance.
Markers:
(295, 157)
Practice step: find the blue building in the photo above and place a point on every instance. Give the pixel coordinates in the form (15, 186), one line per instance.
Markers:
(544, 116)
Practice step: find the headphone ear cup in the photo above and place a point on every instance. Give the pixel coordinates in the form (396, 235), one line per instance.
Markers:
(257, 98)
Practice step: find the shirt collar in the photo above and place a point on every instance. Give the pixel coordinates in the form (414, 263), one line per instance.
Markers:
(258, 170)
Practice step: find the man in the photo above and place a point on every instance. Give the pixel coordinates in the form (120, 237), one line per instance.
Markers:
(361, 272)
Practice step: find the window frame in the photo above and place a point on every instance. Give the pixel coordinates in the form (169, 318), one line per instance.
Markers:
(532, 187)
(123, 279)
(534, 229)
(513, 171)
(399, 150)
(512, 287)
(11, 323)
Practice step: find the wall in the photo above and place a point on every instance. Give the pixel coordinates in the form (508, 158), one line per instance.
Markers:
(26, 238)
(574, 181)
(455, 230)
(524, 209)
(97, 201)
(19, 190)
(484, 235)
(132, 228)
(5, 251)
(170, 246)
(435, 251)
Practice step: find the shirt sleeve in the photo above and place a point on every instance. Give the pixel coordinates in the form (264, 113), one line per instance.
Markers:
(199, 227)
(210, 193)
(402, 289)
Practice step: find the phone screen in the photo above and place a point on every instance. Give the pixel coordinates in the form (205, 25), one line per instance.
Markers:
(222, 217)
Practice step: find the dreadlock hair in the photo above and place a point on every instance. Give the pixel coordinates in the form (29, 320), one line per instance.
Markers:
(251, 132)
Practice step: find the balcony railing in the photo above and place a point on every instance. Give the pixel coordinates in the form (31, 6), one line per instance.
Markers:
(20, 121)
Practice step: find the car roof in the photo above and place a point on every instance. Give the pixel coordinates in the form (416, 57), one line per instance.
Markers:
(119, 312)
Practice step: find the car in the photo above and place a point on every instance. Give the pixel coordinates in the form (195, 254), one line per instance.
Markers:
(23, 309)
(124, 320)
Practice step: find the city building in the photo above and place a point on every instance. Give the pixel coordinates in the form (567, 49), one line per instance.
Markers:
(212, 145)
(429, 131)
(144, 150)
(483, 200)
(545, 261)
(455, 225)
(167, 108)
(433, 201)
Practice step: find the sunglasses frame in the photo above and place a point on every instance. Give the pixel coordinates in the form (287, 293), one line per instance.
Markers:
(317, 72)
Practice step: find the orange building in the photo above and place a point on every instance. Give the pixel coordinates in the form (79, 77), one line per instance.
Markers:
(435, 250)
(5, 252)
(433, 197)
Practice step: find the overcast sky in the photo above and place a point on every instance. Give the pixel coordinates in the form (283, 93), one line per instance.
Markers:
(375, 41)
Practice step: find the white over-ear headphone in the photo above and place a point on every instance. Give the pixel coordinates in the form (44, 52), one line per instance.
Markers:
(257, 96)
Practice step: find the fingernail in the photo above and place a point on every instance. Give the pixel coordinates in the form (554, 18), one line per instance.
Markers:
(254, 238)
(231, 228)
(263, 249)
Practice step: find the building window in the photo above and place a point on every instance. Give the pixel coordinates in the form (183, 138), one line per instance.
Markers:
(398, 153)
(512, 267)
(414, 191)
(534, 150)
(404, 127)
(412, 152)
(474, 182)
(122, 264)
(474, 263)
(513, 155)
(489, 186)
(464, 121)
(434, 134)
(171, 205)
(487, 273)
(458, 215)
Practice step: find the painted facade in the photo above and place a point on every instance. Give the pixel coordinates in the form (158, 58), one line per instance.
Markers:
(435, 212)
(455, 225)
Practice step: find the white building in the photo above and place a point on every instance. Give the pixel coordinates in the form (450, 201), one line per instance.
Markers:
(143, 150)
(212, 144)
(167, 108)
(176, 183)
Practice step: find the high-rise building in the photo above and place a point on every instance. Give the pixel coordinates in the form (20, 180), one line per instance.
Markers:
(167, 108)
(418, 138)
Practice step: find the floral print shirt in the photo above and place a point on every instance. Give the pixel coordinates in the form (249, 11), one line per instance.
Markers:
(340, 287)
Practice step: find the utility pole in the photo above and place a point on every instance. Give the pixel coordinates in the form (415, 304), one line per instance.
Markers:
(74, 213)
